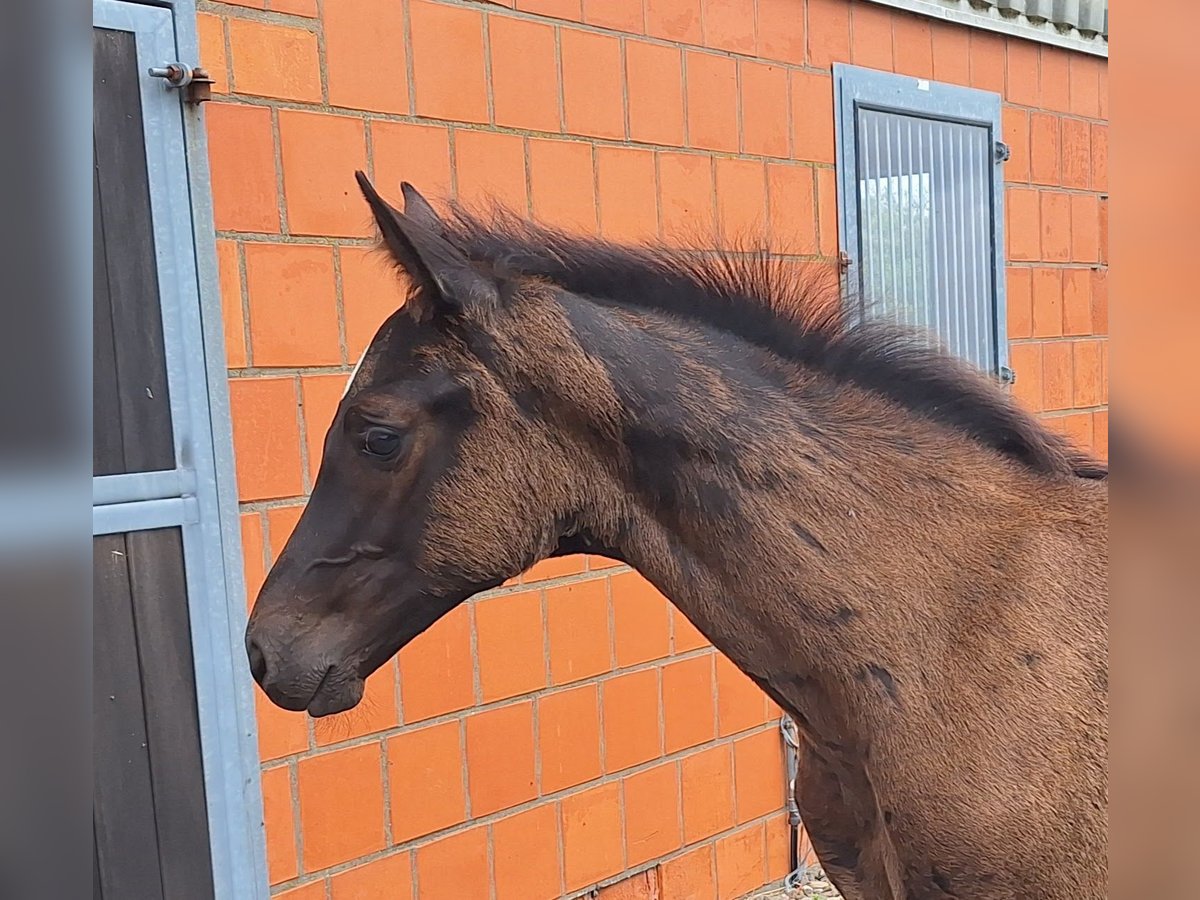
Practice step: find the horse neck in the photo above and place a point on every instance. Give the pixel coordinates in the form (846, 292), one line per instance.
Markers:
(802, 526)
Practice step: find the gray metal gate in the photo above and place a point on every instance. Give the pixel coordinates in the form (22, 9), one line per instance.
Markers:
(177, 807)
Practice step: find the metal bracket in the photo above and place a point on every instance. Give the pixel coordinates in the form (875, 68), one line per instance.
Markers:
(1002, 152)
(194, 81)
(1007, 375)
(843, 260)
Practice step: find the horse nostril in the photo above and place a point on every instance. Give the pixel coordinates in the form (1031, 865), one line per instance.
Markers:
(258, 662)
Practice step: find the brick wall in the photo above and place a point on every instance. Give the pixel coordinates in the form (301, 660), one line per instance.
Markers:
(571, 727)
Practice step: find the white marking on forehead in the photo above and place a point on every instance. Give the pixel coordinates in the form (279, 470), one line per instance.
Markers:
(354, 373)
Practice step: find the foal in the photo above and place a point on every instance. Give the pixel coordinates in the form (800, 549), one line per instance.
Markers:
(907, 563)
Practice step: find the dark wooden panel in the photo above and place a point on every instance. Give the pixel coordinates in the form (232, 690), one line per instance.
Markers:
(123, 797)
(160, 612)
(141, 420)
(108, 454)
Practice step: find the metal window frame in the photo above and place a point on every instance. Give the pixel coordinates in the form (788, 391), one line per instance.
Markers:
(200, 495)
(859, 88)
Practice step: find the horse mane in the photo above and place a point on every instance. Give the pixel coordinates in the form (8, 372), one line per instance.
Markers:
(760, 299)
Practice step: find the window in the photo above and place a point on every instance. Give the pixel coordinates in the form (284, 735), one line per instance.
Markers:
(920, 194)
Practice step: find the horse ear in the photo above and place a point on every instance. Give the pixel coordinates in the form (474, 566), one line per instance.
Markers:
(445, 278)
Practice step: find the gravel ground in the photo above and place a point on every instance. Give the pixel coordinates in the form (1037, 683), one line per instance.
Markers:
(813, 886)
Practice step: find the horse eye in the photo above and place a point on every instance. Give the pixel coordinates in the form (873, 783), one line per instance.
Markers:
(381, 442)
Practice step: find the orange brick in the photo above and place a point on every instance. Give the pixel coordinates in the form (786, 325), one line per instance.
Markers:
(828, 32)
(1089, 376)
(642, 886)
(741, 197)
(1099, 292)
(1024, 224)
(740, 861)
(781, 31)
(1057, 378)
(509, 638)
(628, 211)
(323, 198)
(376, 712)
(655, 90)
(618, 15)
(1103, 88)
(278, 822)
(314, 890)
(1085, 85)
(1056, 226)
(1045, 156)
(210, 30)
(827, 211)
(253, 553)
(778, 859)
(641, 620)
(674, 20)
(951, 53)
(1099, 150)
(687, 636)
(524, 74)
(1077, 301)
(686, 195)
(295, 7)
(372, 289)
(554, 567)
(739, 700)
(1026, 361)
(241, 157)
(728, 25)
(491, 167)
(1077, 153)
(293, 305)
(689, 716)
(872, 37)
(1018, 302)
(1047, 303)
(690, 876)
(425, 778)
(812, 116)
(1103, 224)
(1055, 94)
(792, 201)
(448, 62)
(1100, 433)
(712, 103)
(266, 438)
(631, 716)
(1024, 72)
(281, 522)
(577, 618)
(651, 814)
(561, 184)
(764, 106)
(558, 9)
(591, 834)
(274, 60)
(436, 669)
(251, 4)
(707, 783)
(1085, 228)
(501, 767)
(232, 318)
(758, 775)
(446, 865)
(418, 154)
(366, 65)
(1016, 135)
(341, 805)
(987, 60)
(280, 732)
(569, 737)
(593, 99)
(388, 878)
(913, 40)
(525, 850)
(1078, 429)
